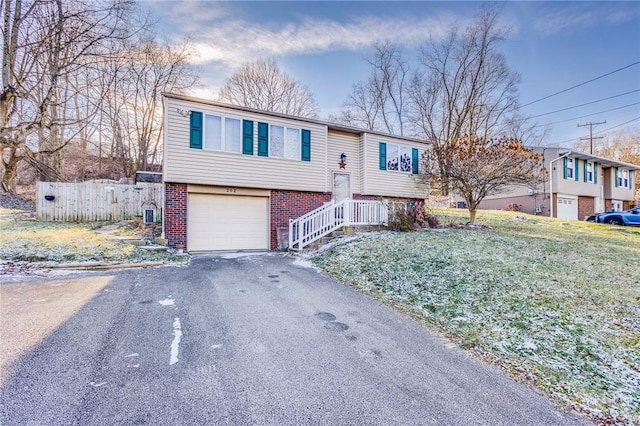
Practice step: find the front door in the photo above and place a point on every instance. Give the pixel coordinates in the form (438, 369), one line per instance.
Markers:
(341, 186)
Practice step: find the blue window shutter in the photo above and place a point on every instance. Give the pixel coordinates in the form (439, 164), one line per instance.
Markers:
(306, 145)
(595, 173)
(565, 167)
(263, 139)
(414, 161)
(615, 177)
(584, 171)
(195, 136)
(383, 156)
(576, 169)
(247, 137)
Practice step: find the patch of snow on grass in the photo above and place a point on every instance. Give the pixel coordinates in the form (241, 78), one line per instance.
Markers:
(505, 293)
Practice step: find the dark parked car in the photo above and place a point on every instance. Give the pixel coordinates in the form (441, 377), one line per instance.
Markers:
(629, 217)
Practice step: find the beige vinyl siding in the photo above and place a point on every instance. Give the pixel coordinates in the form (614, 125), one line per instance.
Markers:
(617, 193)
(386, 182)
(348, 143)
(207, 167)
(572, 186)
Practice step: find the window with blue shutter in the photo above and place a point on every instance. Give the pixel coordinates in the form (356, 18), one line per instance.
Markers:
(306, 145)
(247, 137)
(263, 139)
(195, 135)
(565, 168)
(383, 156)
(616, 177)
(414, 161)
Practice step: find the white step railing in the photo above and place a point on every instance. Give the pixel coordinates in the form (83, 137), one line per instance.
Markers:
(333, 216)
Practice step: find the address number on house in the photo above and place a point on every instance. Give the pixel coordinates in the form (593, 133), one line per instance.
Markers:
(232, 190)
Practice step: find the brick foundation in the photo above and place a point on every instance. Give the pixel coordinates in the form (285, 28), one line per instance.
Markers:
(284, 205)
(175, 214)
(287, 205)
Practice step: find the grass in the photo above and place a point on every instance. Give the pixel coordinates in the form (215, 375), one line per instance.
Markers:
(25, 239)
(555, 303)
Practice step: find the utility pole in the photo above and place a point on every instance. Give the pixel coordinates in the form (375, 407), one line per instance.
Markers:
(591, 138)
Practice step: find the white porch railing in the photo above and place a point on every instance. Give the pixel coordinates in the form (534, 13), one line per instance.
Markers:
(333, 216)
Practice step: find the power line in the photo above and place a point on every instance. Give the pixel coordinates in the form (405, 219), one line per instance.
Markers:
(601, 131)
(588, 103)
(581, 84)
(587, 115)
(619, 125)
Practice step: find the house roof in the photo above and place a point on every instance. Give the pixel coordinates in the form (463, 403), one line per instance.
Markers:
(606, 162)
(330, 126)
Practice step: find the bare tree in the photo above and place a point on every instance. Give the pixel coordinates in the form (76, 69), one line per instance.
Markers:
(262, 85)
(380, 103)
(465, 88)
(480, 167)
(140, 73)
(44, 44)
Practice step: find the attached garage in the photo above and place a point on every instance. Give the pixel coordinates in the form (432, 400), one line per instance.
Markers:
(227, 222)
(567, 207)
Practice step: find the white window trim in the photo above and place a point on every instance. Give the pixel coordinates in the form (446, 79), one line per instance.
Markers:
(223, 139)
(589, 168)
(625, 179)
(571, 167)
(285, 128)
(400, 147)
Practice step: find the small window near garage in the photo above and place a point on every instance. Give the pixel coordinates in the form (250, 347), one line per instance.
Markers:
(149, 215)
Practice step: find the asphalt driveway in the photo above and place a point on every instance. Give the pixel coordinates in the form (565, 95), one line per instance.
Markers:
(237, 340)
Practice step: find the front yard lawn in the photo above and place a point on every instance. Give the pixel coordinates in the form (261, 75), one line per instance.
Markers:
(555, 303)
(23, 239)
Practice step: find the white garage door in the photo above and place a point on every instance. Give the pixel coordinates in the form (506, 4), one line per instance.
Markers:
(227, 222)
(567, 208)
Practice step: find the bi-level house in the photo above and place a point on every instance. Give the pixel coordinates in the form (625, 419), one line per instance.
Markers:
(572, 185)
(234, 177)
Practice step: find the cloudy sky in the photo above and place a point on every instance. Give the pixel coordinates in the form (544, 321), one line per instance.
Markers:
(552, 45)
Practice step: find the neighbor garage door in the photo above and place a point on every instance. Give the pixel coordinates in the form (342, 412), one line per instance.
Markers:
(227, 222)
(567, 208)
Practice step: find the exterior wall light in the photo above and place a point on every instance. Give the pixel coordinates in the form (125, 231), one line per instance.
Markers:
(343, 161)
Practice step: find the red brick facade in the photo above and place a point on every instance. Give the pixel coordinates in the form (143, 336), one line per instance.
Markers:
(287, 205)
(586, 207)
(175, 214)
(284, 205)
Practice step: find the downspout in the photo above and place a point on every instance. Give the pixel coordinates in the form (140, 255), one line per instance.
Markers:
(551, 181)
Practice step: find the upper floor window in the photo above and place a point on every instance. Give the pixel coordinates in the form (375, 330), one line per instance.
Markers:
(569, 168)
(222, 133)
(622, 178)
(588, 171)
(398, 158)
(284, 142)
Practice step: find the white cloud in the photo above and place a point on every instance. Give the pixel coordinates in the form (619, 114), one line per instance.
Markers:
(571, 17)
(234, 42)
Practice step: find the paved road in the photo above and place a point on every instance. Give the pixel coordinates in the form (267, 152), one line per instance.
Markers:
(239, 340)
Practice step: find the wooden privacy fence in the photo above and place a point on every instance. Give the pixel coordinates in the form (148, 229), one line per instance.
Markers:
(92, 201)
